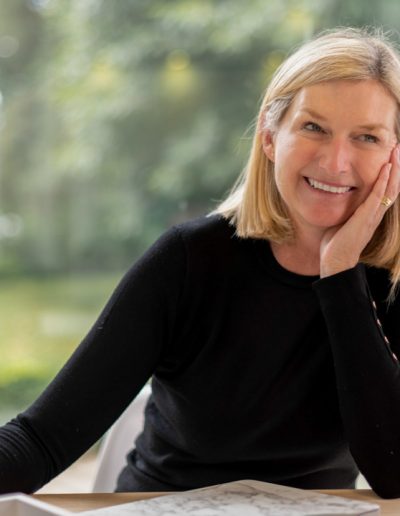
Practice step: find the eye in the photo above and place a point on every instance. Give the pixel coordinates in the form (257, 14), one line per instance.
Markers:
(368, 138)
(313, 127)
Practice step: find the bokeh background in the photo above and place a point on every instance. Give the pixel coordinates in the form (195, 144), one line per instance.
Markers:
(119, 118)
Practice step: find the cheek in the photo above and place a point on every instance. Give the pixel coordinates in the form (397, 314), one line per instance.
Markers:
(291, 161)
(369, 168)
(293, 152)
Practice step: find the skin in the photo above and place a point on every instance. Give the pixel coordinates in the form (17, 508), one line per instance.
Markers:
(341, 134)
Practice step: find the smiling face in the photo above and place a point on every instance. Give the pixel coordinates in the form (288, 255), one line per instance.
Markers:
(329, 148)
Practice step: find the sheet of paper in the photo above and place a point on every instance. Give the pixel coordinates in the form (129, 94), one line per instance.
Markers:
(246, 497)
(23, 505)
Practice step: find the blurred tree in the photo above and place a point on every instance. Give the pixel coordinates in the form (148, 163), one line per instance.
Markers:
(121, 118)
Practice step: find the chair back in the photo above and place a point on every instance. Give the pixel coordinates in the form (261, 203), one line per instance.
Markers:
(118, 442)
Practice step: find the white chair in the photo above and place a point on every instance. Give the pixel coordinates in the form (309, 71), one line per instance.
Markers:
(117, 443)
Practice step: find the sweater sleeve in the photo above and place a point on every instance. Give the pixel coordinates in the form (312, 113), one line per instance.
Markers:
(367, 374)
(107, 370)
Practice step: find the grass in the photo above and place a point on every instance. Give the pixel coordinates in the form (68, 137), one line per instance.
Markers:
(42, 320)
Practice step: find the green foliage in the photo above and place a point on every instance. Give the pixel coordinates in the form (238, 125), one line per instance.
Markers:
(42, 320)
(122, 118)
(16, 394)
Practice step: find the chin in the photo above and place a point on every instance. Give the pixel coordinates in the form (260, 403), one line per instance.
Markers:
(328, 221)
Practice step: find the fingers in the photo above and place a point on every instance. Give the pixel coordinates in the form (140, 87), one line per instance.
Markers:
(387, 186)
(393, 183)
(380, 192)
(383, 194)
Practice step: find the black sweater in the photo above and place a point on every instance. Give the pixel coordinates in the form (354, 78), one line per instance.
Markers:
(257, 372)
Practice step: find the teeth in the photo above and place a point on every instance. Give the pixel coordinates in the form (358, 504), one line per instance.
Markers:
(328, 188)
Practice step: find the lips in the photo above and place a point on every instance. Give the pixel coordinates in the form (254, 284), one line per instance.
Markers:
(318, 185)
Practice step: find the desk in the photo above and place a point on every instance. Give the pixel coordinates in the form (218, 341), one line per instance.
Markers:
(84, 502)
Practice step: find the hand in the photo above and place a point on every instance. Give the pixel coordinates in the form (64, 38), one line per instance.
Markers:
(342, 245)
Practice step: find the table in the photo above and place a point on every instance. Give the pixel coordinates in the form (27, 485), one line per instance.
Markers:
(87, 501)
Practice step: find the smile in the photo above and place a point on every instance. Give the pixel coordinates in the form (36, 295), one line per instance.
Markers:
(328, 188)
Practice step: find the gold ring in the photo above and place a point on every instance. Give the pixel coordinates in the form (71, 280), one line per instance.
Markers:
(386, 201)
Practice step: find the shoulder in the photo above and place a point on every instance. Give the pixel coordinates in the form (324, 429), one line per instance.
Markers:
(206, 230)
(197, 241)
(210, 238)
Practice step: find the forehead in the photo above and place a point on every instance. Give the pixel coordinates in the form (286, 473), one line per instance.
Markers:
(360, 102)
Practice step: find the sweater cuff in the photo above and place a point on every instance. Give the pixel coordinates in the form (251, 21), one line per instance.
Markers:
(351, 280)
(346, 302)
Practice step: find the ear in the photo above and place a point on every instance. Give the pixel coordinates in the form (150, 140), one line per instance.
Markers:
(268, 145)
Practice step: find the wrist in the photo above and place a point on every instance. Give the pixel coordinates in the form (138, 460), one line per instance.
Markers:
(335, 268)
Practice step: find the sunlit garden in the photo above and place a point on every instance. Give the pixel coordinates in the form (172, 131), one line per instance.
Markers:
(41, 322)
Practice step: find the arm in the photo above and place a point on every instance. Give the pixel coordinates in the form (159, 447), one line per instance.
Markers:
(367, 374)
(104, 374)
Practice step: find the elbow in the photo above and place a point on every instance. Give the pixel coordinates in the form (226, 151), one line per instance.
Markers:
(387, 494)
(382, 472)
(386, 488)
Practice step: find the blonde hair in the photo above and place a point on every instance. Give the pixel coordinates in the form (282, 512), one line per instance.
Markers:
(254, 205)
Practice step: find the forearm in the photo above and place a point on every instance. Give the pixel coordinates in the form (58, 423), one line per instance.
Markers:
(25, 464)
(368, 378)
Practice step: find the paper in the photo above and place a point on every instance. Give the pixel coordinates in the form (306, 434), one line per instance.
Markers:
(246, 497)
(23, 505)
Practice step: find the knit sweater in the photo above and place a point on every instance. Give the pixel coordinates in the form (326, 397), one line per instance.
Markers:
(257, 372)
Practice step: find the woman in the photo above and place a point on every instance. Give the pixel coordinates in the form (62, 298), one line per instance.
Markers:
(266, 327)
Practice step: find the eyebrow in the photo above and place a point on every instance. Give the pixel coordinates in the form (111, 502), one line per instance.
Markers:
(367, 127)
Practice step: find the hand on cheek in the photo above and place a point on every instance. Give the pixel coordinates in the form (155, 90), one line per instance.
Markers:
(342, 246)
(393, 184)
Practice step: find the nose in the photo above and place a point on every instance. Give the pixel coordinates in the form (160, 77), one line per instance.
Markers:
(335, 156)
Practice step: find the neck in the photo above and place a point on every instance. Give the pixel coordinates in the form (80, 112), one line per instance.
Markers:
(301, 256)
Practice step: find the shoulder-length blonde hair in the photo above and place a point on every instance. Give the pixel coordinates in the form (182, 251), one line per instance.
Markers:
(254, 205)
